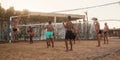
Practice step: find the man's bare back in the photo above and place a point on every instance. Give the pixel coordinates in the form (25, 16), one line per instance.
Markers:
(106, 28)
(97, 26)
(16, 23)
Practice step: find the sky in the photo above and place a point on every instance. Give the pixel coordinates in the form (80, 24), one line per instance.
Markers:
(102, 13)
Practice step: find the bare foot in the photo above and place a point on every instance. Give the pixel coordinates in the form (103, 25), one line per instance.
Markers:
(98, 46)
(71, 49)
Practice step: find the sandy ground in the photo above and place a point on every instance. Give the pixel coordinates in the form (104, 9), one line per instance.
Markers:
(83, 50)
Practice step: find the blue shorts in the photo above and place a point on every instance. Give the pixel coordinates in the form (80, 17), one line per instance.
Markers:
(49, 34)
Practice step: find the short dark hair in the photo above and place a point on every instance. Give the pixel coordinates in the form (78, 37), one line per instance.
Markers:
(69, 17)
(49, 22)
(94, 18)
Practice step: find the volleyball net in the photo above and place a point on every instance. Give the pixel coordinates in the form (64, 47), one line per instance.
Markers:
(38, 28)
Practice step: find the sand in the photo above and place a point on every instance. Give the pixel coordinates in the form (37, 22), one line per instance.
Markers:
(82, 50)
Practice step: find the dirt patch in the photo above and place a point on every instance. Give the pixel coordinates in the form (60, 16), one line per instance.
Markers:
(82, 50)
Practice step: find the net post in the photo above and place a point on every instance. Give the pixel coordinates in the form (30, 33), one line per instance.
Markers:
(10, 28)
(55, 18)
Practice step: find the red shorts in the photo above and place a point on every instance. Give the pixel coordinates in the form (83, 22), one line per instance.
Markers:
(32, 34)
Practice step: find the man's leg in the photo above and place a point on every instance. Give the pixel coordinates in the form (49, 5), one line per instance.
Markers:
(66, 44)
(30, 39)
(74, 39)
(48, 43)
(15, 36)
(70, 41)
(107, 39)
(104, 39)
(52, 40)
(99, 40)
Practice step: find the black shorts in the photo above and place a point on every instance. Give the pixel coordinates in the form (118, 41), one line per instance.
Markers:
(69, 35)
(14, 29)
(100, 32)
(105, 32)
(74, 36)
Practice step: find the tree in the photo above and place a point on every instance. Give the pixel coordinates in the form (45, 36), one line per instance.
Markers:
(2, 13)
(17, 13)
(9, 12)
(25, 12)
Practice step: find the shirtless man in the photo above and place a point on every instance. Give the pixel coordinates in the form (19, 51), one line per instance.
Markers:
(69, 33)
(75, 33)
(98, 31)
(49, 34)
(106, 29)
(31, 34)
(15, 29)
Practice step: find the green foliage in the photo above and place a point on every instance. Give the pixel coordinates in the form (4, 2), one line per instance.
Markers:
(6, 13)
(25, 12)
(9, 12)
(2, 13)
(17, 13)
